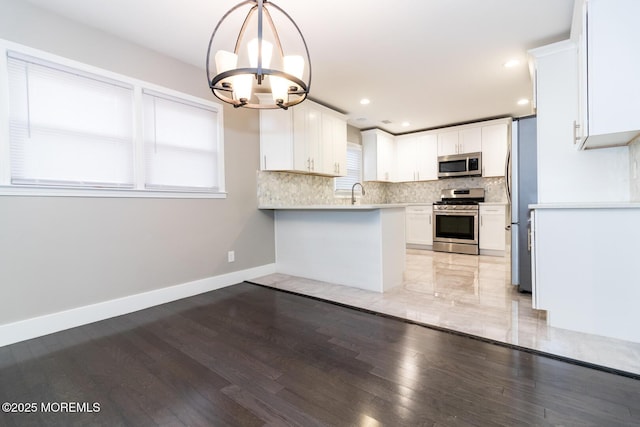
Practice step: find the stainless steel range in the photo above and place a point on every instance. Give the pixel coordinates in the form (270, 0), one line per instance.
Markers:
(455, 228)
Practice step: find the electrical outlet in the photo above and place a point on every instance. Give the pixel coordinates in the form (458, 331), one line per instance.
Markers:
(231, 256)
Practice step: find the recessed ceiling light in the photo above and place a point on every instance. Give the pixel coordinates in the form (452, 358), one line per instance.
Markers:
(511, 63)
(523, 101)
(405, 124)
(365, 101)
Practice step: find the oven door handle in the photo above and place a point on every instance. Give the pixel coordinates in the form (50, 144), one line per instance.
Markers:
(456, 213)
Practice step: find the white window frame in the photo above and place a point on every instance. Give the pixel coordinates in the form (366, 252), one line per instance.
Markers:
(139, 190)
(343, 193)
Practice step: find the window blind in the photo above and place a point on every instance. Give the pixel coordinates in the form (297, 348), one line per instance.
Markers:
(68, 128)
(354, 169)
(181, 144)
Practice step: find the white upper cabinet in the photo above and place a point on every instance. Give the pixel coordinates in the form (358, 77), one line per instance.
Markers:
(470, 140)
(448, 143)
(495, 145)
(414, 157)
(459, 140)
(379, 155)
(305, 138)
(334, 136)
(276, 140)
(417, 157)
(608, 37)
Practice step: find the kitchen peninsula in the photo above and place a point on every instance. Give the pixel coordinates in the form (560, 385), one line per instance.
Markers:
(361, 246)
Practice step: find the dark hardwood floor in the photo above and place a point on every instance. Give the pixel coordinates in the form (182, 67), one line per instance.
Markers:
(251, 356)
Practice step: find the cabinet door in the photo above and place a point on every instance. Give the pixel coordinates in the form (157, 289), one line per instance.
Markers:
(495, 140)
(307, 133)
(405, 159)
(470, 140)
(419, 226)
(301, 154)
(313, 134)
(492, 228)
(327, 165)
(426, 155)
(386, 158)
(276, 140)
(340, 146)
(448, 143)
(580, 130)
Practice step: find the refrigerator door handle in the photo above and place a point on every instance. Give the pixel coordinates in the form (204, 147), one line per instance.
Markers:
(507, 181)
(529, 230)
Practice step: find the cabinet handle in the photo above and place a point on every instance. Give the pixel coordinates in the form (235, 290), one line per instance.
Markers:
(308, 163)
(313, 167)
(576, 126)
(418, 175)
(429, 219)
(265, 162)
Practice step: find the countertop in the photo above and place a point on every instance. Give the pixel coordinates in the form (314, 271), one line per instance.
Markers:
(592, 205)
(334, 207)
(360, 207)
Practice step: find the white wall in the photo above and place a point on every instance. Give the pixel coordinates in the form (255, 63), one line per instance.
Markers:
(564, 174)
(60, 253)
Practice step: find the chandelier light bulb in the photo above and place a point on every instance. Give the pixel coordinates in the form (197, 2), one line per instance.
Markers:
(242, 85)
(225, 61)
(279, 89)
(267, 51)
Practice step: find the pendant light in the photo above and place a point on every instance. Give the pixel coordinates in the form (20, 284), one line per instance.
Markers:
(260, 65)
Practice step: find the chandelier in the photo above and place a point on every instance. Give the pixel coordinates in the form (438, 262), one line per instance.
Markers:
(252, 68)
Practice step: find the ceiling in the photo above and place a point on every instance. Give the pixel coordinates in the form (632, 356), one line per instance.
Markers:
(430, 63)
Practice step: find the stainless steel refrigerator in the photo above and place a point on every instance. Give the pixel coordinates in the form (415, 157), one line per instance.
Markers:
(522, 188)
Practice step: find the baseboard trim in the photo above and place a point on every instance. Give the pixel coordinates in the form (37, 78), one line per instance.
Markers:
(23, 330)
(492, 252)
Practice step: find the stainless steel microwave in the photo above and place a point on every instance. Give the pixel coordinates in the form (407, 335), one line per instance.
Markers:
(457, 165)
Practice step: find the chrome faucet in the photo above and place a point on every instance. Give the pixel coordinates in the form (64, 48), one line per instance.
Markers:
(353, 195)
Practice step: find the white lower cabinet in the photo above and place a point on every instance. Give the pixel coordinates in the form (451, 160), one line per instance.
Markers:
(492, 233)
(419, 225)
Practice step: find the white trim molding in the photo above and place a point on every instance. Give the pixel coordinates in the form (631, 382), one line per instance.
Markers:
(43, 325)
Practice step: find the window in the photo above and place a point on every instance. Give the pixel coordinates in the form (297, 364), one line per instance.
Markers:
(68, 128)
(354, 170)
(180, 140)
(77, 130)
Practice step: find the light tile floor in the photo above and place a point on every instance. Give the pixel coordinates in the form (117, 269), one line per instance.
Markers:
(471, 294)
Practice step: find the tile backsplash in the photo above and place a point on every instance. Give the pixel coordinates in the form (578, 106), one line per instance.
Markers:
(429, 191)
(291, 189)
